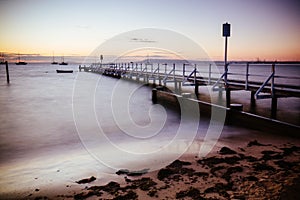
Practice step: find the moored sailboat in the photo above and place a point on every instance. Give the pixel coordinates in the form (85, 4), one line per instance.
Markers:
(20, 62)
(63, 62)
(53, 61)
(64, 70)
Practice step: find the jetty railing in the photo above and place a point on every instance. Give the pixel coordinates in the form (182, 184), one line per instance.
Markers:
(189, 74)
(205, 74)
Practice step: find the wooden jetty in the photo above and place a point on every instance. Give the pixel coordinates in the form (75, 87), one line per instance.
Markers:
(192, 75)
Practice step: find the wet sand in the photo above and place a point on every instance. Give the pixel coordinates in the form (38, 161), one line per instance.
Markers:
(249, 166)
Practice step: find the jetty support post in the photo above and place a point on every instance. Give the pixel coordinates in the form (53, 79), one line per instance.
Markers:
(154, 96)
(228, 97)
(175, 86)
(247, 77)
(209, 74)
(196, 89)
(179, 87)
(165, 83)
(174, 69)
(7, 72)
(196, 82)
(252, 101)
(274, 98)
(158, 74)
(183, 71)
(274, 108)
(146, 80)
(137, 76)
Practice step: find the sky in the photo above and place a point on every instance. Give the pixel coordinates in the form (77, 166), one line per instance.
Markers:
(260, 29)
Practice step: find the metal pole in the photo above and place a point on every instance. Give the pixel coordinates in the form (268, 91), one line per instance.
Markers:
(226, 34)
(225, 67)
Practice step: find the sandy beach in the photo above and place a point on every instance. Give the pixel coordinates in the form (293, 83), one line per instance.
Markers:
(254, 165)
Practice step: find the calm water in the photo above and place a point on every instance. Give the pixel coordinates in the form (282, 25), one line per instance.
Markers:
(43, 142)
(58, 128)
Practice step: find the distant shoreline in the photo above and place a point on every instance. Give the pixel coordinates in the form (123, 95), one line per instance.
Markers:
(95, 59)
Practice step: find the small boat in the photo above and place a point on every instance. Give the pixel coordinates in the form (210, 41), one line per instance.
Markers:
(63, 62)
(53, 61)
(20, 62)
(64, 71)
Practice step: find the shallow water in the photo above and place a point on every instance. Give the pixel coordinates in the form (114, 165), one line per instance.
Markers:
(43, 143)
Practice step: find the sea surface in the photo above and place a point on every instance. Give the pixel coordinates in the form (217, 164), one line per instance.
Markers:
(58, 128)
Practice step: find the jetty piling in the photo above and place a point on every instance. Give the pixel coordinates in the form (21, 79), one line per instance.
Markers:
(154, 96)
(7, 72)
(274, 97)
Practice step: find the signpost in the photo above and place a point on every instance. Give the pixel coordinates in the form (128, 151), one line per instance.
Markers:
(226, 34)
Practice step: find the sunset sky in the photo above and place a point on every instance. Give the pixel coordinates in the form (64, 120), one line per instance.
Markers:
(264, 29)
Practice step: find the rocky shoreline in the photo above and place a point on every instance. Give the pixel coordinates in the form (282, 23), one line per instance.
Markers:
(254, 171)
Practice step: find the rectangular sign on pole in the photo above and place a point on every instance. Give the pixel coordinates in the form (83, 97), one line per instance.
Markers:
(226, 30)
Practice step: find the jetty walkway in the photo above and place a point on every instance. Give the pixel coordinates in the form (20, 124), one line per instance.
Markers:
(179, 76)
